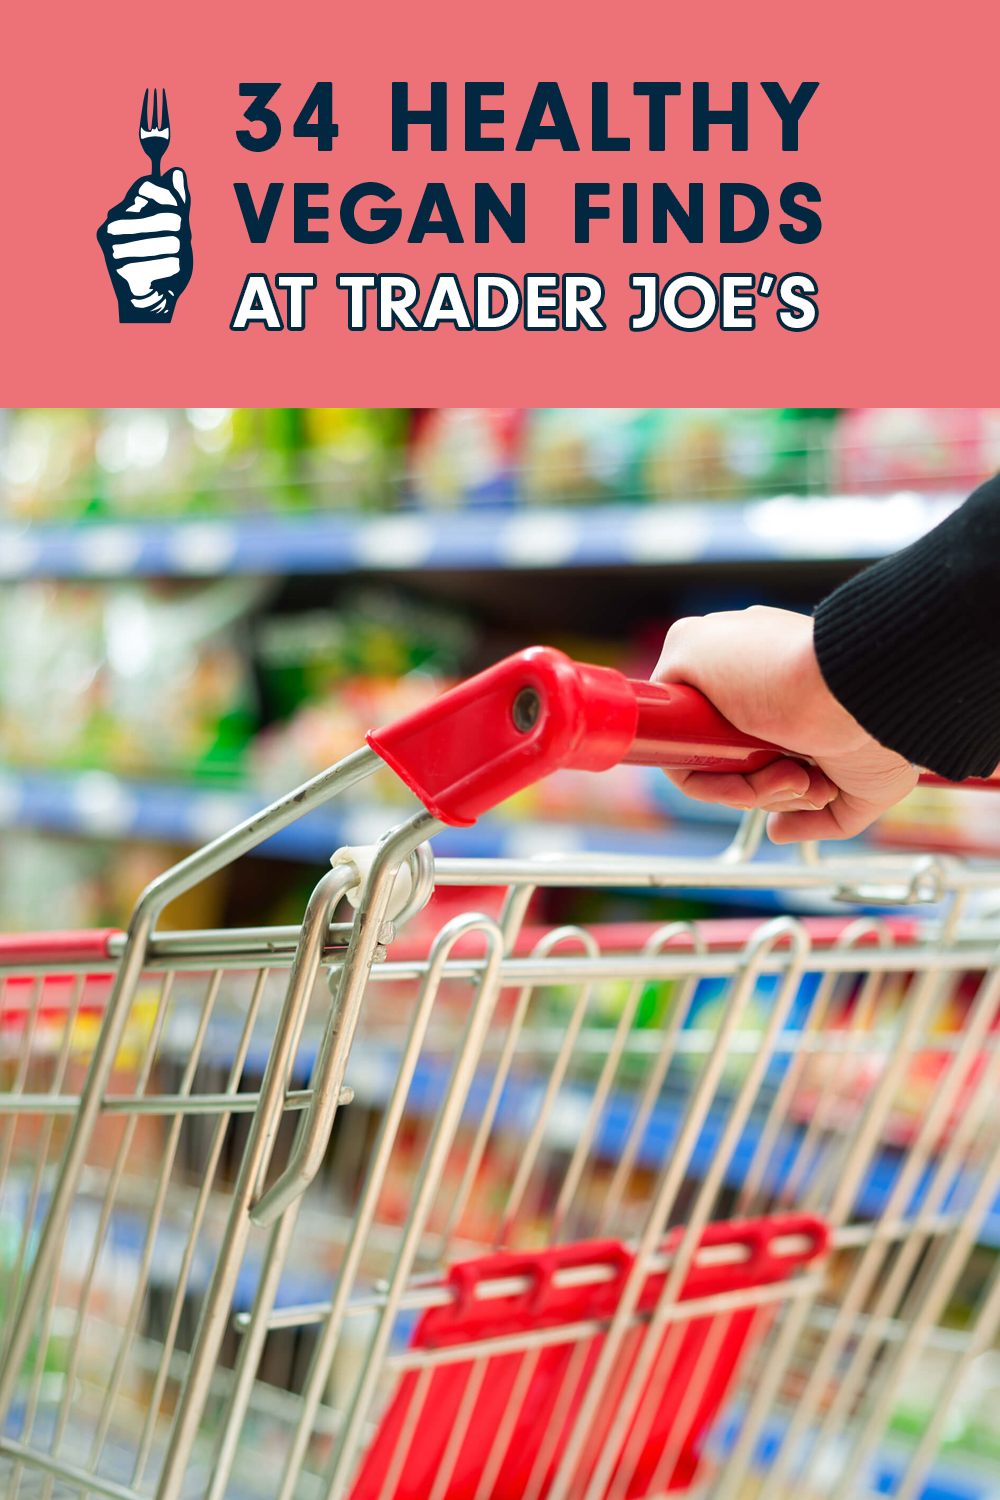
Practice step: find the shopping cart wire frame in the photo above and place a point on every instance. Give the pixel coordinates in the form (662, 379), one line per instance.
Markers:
(472, 748)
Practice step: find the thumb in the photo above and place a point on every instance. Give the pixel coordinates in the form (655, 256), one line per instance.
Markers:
(179, 183)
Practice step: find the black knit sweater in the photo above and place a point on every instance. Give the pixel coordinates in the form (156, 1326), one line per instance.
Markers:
(911, 647)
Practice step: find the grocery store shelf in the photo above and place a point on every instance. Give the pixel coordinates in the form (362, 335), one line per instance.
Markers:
(98, 804)
(373, 1070)
(784, 528)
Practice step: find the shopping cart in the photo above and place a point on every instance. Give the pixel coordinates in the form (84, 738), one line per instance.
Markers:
(506, 1208)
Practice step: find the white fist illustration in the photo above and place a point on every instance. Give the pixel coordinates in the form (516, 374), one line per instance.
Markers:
(146, 241)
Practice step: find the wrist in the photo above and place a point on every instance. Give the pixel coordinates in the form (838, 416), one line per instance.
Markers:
(817, 715)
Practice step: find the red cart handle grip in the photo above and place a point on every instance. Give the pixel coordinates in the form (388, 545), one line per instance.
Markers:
(537, 712)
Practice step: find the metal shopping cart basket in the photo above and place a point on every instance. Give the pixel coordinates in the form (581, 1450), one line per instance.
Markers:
(504, 1209)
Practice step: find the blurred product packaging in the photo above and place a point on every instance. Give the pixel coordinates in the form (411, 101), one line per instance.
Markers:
(330, 675)
(63, 465)
(46, 464)
(465, 455)
(584, 454)
(889, 447)
(69, 465)
(141, 677)
(354, 457)
(51, 881)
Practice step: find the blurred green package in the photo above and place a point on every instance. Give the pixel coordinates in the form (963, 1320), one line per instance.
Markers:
(262, 461)
(735, 452)
(136, 463)
(354, 456)
(373, 633)
(682, 453)
(575, 454)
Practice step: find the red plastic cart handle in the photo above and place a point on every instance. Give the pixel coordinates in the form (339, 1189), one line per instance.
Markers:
(92, 945)
(536, 712)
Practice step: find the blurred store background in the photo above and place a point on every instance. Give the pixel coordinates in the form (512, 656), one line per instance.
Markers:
(202, 608)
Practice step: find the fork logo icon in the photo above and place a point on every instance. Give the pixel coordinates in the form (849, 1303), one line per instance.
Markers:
(146, 238)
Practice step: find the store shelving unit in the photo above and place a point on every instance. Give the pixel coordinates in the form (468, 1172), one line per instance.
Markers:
(486, 541)
(97, 804)
(784, 529)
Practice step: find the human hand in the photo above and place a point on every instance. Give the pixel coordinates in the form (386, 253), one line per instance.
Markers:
(759, 668)
(146, 241)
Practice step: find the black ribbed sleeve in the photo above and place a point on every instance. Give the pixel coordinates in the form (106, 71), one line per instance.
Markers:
(911, 647)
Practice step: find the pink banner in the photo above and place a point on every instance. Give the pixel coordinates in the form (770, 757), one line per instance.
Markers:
(726, 204)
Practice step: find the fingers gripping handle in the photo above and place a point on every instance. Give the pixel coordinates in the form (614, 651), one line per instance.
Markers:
(537, 712)
(677, 728)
